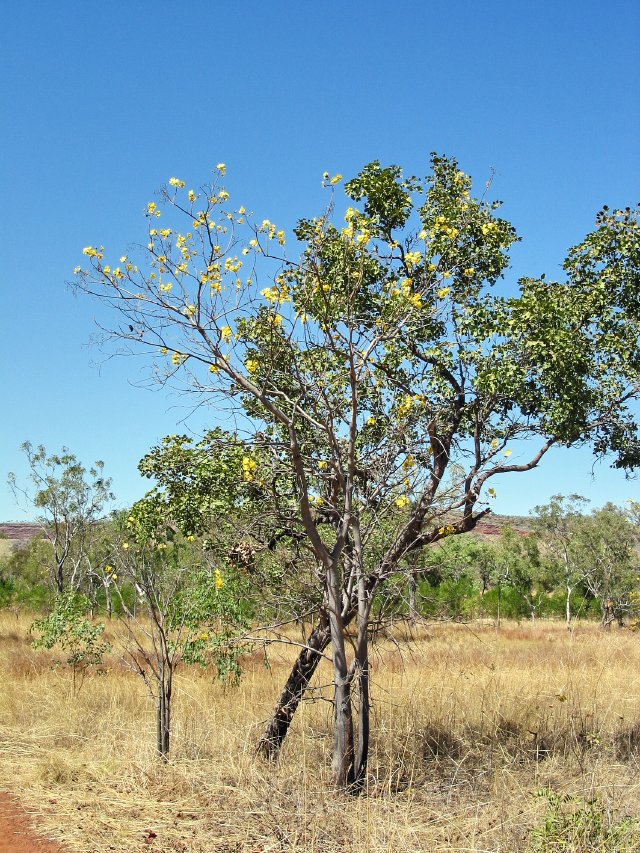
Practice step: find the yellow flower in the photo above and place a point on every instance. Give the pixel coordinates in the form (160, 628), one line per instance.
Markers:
(225, 331)
(191, 538)
(322, 464)
(176, 182)
(249, 466)
(494, 443)
(214, 369)
(114, 577)
(443, 292)
(218, 579)
(491, 493)
(125, 546)
(151, 207)
(468, 272)
(221, 167)
(252, 365)
(507, 453)
(371, 421)
(335, 179)
(192, 196)
(402, 501)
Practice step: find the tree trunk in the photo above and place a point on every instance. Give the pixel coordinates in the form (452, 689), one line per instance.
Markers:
(413, 605)
(362, 670)
(164, 711)
(342, 760)
(293, 691)
(568, 608)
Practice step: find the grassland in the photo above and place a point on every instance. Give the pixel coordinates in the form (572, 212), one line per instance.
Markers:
(469, 724)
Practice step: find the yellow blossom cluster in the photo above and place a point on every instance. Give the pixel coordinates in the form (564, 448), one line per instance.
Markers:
(219, 582)
(447, 530)
(249, 466)
(441, 225)
(232, 264)
(90, 252)
(332, 181)
(276, 295)
(252, 365)
(176, 182)
(402, 501)
(408, 402)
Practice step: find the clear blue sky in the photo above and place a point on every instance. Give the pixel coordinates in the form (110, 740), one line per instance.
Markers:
(100, 103)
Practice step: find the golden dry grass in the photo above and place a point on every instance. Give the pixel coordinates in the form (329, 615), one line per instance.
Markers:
(6, 548)
(468, 723)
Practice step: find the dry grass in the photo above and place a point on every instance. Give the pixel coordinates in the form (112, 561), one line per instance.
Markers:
(468, 723)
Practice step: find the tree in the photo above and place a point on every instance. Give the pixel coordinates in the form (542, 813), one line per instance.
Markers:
(514, 562)
(70, 504)
(603, 547)
(189, 607)
(377, 359)
(556, 522)
(452, 567)
(67, 626)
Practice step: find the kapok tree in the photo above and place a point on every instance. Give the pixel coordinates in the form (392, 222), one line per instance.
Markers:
(365, 367)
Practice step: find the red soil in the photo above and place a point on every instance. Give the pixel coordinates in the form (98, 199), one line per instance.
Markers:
(16, 832)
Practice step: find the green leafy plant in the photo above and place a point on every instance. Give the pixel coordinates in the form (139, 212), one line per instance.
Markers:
(68, 628)
(578, 825)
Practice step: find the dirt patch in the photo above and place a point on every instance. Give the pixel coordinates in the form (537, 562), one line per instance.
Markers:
(16, 832)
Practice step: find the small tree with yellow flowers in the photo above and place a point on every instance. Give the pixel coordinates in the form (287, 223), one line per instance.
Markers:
(178, 605)
(368, 364)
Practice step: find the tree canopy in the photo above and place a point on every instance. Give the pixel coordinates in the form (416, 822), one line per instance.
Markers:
(374, 374)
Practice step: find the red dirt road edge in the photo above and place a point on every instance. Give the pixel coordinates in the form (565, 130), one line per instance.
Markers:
(17, 834)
